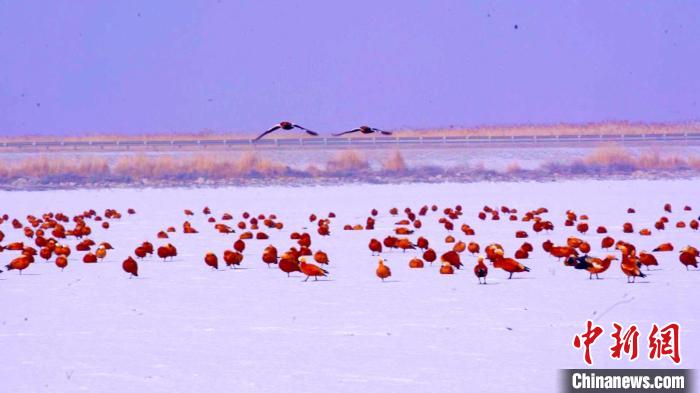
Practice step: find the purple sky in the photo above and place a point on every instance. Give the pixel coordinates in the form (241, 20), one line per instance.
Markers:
(156, 66)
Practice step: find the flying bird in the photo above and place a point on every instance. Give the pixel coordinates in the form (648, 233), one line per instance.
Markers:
(364, 130)
(285, 125)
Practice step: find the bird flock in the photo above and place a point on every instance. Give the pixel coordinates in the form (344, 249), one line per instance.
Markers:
(288, 125)
(56, 237)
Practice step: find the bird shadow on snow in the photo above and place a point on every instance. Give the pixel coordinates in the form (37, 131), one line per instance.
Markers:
(391, 281)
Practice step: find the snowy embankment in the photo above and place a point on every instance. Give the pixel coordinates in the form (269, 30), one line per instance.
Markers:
(182, 327)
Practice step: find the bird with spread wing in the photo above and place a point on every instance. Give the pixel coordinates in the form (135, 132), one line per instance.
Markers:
(285, 125)
(364, 130)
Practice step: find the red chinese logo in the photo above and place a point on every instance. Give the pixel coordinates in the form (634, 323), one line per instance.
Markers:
(663, 342)
(627, 343)
(589, 337)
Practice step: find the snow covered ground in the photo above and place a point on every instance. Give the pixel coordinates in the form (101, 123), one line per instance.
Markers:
(182, 327)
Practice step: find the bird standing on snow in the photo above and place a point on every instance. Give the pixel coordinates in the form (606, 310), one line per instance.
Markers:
(130, 266)
(688, 257)
(285, 125)
(365, 130)
(480, 270)
(383, 271)
(311, 270)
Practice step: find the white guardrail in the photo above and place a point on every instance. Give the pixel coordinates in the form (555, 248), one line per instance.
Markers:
(356, 142)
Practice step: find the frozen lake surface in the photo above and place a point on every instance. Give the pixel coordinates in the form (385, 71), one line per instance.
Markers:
(182, 327)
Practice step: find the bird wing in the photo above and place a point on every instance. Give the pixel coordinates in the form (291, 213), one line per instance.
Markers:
(277, 127)
(383, 132)
(347, 132)
(307, 131)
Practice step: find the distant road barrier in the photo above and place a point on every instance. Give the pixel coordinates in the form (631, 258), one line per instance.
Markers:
(338, 142)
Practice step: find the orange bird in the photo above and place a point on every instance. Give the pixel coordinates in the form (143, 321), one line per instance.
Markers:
(422, 243)
(164, 252)
(130, 266)
(19, 263)
(452, 258)
(647, 259)
(597, 265)
(45, 253)
(508, 264)
(584, 247)
(383, 270)
(459, 247)
(101, 253)
(607, 242)
(415, 263)
(311, 270)
(430, 256)
(289, 263)
(547, 245)
(239, 245)
(480, 270)
(664, 247)
(232, 258)
(404, 244)
(688, 257)
(582, 227)
(148, 247)
(563, 251)
(629, 265)
(446, 268)
(521, 253)
(90, 258)
(61, 261)
(269, 255)
(321, 257)
(491, 251)
(573, 241)
(375, 246)
(390, 241)
(473, 247)
(211, 260)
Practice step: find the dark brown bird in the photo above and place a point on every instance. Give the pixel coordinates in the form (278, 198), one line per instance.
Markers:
(365, 130)
(285, 125)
